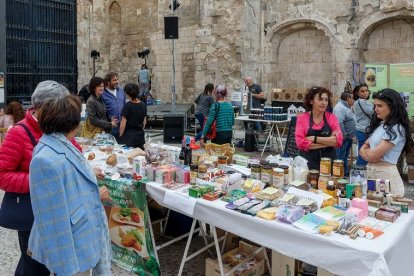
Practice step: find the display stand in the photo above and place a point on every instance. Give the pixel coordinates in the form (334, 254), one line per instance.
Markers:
(275, 125)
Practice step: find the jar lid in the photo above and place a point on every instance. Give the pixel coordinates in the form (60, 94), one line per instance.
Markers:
(314, 171)
(325, 175)
(255, 165)
(194, 167)
(325, 159)
(202, 168)
(338, 161)
(284, 167)
(222, 157)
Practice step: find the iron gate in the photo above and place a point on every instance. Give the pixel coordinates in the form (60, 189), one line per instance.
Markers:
(40, 45)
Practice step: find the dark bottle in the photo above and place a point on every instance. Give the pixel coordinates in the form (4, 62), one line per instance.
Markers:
(350, 199)
(188, 154)
(181, 157)
(342, 200)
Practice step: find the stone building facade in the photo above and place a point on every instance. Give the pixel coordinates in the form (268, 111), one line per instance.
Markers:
(280, 43)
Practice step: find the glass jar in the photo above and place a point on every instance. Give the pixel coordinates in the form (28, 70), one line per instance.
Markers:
(338, 168)
(325, 166)
(202, 172)
(193, 174)
(286, 173)
(358, 174)
(266, 174)
(255, 171)
(323, 181)
(278, 178)
(341, 184)
(313, 178)
(221, 160)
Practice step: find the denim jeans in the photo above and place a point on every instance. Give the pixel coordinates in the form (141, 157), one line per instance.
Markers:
(343, 153)
(200, 119)
(361, 137)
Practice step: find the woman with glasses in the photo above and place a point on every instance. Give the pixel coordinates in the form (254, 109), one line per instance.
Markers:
(363, 110)
(388, 137)
(317, 131)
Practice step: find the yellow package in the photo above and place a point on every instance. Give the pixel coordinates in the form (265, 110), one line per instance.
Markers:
(268, 213)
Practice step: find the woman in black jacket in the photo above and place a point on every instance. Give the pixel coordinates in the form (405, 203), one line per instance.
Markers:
(95, 108)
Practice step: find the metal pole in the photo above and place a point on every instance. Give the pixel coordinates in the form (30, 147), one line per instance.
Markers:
(173, 96)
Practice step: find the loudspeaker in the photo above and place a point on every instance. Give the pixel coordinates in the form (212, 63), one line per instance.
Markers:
(171, 27)
(173, 128)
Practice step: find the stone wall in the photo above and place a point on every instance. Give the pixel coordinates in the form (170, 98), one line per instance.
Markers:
(279, 43)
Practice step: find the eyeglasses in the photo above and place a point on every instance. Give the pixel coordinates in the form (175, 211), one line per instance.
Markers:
(371, 78)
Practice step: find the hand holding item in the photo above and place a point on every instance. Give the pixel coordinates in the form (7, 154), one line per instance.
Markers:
(104, 194)
(114, 121)
(99, 173)
(202, 142)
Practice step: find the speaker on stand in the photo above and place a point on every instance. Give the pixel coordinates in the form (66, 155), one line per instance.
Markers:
(171, 27)
(173, 128)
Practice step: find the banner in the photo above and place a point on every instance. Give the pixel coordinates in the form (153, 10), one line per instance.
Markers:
(129, 227)
(402, 81)
(375, 76)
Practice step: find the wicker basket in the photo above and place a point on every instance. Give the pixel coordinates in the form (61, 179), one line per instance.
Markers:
(217, 150)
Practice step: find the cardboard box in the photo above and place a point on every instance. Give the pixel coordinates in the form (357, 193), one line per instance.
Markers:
(276, 94)
(299, 94)
(289, 94)
(411, 174)
(213, 269)
(283, 265)
(409, 158)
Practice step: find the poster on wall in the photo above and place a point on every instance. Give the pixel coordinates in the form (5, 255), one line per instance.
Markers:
(375, 76)
(357, 74)
(129, 227)
(402, 81)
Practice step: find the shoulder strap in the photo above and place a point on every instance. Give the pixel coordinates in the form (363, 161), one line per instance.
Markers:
(363, 111)
(29, 133)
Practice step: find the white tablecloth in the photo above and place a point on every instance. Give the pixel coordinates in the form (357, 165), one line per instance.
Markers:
(389, 254)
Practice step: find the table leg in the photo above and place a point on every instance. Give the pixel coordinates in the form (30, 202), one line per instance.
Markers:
(203, 233)
(187, 246)
(152, 233)
(268, 136)
(165, 223)
(279, 138)
(220, 261)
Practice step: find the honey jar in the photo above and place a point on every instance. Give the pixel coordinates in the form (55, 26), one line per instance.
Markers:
(286, 173)
(323, 181)
(266, 174)
(222, 160)
(338, 168)
(278, 178)
(325, 166)
(313, 178)
(255, 171)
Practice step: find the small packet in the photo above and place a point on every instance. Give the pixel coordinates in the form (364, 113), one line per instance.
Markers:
(267, 213)
(309, 205)
(248, 205)
(241, 201)
(252, 211)
(287, 199)
(289, 213)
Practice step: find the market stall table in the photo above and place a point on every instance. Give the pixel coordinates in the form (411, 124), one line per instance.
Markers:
(389, 254)
(275, 125)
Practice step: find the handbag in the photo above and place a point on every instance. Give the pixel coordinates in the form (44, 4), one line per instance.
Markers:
(211, 134)
(89, 130)
(16, 209)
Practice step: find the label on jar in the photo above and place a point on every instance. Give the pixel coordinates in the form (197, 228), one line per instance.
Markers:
(203, 176)
(255, 175)
(336, 171)
(322, 184)
(193, 177)
(265, 177)
(278, 181)
(342, 202)
(325, 168)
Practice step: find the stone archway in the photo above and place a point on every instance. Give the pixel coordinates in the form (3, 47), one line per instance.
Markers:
(389, 41)
(114, 37)
(300, 54)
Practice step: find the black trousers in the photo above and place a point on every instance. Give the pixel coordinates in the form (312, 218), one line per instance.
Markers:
(223, 137)
(27, 266)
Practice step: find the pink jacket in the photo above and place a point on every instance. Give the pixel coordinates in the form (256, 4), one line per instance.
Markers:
(302, 126)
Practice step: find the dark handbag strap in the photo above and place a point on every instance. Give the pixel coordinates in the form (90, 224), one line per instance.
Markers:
(363, 111)
(29, 133)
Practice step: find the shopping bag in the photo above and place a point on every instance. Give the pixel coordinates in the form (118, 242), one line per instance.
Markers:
(89, 130)
(211, 134)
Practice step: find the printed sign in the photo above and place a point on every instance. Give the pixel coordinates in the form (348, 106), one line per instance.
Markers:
(129, 227)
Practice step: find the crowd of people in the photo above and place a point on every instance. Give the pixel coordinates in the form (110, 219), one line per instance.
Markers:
(61, 211)
(382, 130)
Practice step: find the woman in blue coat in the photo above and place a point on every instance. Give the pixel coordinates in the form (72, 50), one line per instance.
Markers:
(70, 232)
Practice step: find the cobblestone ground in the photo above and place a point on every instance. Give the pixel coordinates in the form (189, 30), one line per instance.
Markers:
(170, 257)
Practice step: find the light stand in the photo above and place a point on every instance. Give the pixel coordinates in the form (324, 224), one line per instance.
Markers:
(173, 95)
(94, 55)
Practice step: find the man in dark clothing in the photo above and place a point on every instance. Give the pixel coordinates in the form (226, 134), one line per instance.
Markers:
(257, 97)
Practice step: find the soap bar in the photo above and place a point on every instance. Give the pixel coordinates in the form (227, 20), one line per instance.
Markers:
(387, 216)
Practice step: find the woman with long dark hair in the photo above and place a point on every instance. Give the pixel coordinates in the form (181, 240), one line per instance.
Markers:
(388, 137)
(363, 110)
(204, 102)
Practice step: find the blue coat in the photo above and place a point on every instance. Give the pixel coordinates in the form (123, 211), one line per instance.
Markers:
(114, 104)
(68, 216)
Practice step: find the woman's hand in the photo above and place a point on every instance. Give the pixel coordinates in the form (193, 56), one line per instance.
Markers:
(104, 194)
(99, 173)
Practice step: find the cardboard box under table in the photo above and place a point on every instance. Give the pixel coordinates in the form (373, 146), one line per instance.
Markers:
(234, 267)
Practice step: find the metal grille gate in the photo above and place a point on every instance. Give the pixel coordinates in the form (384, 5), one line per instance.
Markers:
(40, 45)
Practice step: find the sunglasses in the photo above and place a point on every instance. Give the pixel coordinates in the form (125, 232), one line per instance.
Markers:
(371, 79)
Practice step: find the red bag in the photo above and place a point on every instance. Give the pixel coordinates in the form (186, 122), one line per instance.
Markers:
(211, 134)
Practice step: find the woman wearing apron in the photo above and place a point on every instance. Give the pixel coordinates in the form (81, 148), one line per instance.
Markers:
(317, 131)
(389, 136)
